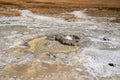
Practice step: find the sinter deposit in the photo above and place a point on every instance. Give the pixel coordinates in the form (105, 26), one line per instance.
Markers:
(36, 47)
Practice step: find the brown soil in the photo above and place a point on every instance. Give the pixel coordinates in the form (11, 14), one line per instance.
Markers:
(51, 7)
(27, 72)
(103, 12)
(9, 12)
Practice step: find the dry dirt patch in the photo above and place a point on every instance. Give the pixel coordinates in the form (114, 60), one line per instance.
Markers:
(54, 6)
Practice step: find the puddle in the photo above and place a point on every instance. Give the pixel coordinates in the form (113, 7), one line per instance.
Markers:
(41, 45)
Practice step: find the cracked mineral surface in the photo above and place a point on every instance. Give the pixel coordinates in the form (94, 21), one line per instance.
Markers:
(36, 47)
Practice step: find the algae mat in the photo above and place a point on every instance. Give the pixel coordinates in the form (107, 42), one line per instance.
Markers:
(41, 45)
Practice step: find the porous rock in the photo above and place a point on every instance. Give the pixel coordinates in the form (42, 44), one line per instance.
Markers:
(67, 39)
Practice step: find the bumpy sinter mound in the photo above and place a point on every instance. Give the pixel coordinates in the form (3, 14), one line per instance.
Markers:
(40, 45)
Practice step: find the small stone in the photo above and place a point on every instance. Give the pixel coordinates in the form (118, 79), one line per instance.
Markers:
(111, 64)
(106, 39)
(71, 40)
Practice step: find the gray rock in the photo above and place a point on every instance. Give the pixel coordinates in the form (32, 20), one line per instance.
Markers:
(66, 39)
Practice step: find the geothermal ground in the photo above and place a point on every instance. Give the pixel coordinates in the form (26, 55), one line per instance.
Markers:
(74, 46)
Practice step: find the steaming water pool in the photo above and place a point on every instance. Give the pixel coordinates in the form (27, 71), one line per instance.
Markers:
(103, 36)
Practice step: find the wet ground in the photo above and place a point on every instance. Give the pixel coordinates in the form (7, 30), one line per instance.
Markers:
(27, 54)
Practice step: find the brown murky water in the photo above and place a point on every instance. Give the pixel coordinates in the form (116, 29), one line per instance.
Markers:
(41, 45)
